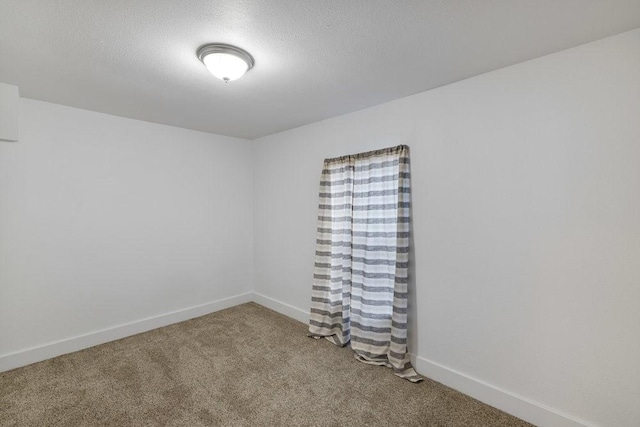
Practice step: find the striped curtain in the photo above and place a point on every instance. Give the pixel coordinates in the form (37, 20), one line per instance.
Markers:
(359, 294)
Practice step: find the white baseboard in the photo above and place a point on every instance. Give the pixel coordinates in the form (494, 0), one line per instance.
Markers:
(281, 307)
(511, 403)
(521, 407)
(526, 409)
(47, 351)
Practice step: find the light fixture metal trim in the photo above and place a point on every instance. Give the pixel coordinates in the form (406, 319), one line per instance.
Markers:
(210, 48)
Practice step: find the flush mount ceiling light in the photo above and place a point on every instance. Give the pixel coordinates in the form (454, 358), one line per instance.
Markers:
(224, 61)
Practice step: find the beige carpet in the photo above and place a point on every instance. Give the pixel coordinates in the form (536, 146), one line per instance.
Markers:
(246, 365)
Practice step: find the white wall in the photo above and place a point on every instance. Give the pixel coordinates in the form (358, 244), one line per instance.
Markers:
(9, 112)
(526, 220)
(106, 221)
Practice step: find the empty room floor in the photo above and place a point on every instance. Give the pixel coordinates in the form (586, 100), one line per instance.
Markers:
(246, 365)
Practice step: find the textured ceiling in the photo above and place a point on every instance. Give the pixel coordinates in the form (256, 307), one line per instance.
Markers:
(314, 59)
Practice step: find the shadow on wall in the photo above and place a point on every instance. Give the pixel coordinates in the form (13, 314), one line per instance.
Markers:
(412, 305)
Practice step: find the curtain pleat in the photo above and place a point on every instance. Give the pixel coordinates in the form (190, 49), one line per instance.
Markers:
(359, 293)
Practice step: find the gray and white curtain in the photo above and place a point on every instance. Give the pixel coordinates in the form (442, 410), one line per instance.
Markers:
(359, 294)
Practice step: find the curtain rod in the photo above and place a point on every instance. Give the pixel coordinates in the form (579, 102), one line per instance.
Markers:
(382, 151)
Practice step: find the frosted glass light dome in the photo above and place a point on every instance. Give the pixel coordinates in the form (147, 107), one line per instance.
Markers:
(226, 62)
